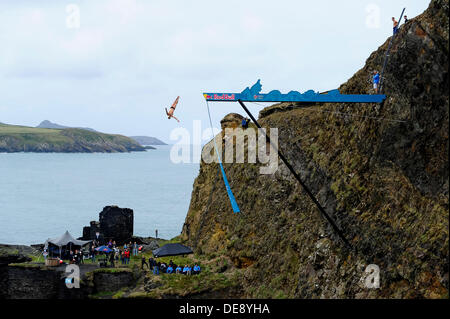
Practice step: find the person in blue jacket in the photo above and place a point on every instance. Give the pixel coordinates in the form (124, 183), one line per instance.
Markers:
(196, 269)
(169, 269)
(376, 81)
(178, 269)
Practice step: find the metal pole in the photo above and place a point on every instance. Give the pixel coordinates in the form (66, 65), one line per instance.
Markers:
(310, 194)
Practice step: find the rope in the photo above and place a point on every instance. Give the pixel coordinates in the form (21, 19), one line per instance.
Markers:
(212, 132)
(233, 202)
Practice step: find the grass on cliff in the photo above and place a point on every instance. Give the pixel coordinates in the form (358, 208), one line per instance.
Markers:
(24, 134)
(113, 270)
(182, 285)
(16, 129)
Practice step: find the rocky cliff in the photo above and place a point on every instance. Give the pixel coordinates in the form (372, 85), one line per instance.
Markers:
(381, 171)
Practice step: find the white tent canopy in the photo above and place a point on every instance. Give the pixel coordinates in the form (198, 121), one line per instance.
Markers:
(66, 239)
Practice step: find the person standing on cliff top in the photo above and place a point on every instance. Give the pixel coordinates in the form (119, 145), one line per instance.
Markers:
(406, 19)
(395, 25)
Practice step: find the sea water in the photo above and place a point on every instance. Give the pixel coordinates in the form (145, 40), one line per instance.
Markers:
(44, 194)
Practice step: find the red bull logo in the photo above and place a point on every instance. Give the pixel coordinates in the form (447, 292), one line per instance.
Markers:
(224, 97)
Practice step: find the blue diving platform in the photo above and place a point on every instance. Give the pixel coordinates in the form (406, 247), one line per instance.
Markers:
(253, 95)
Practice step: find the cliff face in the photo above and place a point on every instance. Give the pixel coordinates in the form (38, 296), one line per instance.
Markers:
(381, 171)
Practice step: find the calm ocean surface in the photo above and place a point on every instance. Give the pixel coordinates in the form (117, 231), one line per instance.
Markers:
(43, 195)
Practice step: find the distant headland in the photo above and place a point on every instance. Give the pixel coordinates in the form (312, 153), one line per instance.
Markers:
(49, 137)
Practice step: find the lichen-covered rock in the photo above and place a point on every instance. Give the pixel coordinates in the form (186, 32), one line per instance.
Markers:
(381, 171)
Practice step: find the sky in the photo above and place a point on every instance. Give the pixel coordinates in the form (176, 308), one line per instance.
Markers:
(114, 65)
